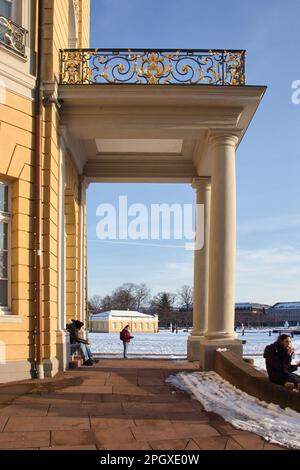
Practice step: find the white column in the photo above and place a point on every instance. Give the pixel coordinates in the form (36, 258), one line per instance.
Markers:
(201, 270)
(62, 337)
(220, 331)
(61, 247)
(82, 272)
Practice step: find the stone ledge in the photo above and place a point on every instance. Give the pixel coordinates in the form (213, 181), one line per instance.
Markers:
(10, 318)
(244, 376)
(12, 371)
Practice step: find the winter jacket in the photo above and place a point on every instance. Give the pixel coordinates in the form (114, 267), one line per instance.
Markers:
(75, 334)
(278, 363)
(125, 336)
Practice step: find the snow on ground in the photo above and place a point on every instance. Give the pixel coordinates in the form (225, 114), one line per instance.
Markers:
(240, 409)
(166, 344)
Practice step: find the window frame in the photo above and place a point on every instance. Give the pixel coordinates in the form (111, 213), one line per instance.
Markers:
(6, 217)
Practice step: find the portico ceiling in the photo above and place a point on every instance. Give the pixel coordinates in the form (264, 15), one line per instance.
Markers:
(150, 133)
(136, 146)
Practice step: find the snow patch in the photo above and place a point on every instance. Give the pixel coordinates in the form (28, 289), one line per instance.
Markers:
(243, 411)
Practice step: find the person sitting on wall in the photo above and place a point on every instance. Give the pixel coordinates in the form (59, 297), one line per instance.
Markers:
(125, 337)
(78, 343)
(278, 358)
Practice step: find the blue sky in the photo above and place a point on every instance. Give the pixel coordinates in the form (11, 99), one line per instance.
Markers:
(268, 159)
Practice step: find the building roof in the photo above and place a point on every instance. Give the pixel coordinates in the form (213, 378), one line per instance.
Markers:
(249, 305)
(286, 305)
(128, 314)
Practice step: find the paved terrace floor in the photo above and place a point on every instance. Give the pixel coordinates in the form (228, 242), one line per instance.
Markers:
(115, 404)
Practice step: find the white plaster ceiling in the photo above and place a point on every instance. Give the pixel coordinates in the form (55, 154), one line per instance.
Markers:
(165, 146)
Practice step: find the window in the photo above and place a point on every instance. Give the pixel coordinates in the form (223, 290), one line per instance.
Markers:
(6, 8)
(5, 221)
(73, 24)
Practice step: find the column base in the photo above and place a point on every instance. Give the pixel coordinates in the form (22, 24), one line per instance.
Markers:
(51, 367)
(193, 347)
(208, 347)
(63, 349)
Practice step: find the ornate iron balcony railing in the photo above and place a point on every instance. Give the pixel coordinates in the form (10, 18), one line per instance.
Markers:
(153, 67)
(12, 35)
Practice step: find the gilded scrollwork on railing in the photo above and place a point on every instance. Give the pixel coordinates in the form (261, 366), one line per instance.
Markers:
(95, 66)
(12, 35)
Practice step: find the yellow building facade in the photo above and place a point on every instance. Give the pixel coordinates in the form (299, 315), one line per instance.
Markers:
(65, 24)
(72, 115)
(114, 321)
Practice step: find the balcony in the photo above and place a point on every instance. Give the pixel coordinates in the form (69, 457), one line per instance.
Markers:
(13, 36)
(128, 131)
(152, 67)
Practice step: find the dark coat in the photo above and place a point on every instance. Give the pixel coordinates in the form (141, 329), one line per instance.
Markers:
(75, 335)
(125, 336)
(278, 363)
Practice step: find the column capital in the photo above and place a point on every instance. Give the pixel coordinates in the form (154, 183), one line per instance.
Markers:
(201, 182)
(224, 137)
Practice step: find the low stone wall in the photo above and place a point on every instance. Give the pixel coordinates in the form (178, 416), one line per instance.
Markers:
(245, 377)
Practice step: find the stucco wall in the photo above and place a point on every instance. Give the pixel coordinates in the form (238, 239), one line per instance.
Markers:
(17, 167)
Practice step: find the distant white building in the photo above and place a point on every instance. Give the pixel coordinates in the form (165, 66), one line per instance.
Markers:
(113, 321)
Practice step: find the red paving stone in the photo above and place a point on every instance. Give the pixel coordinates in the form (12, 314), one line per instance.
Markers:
(249, 441)
(233, 445)
(88, 447)
(30, 409)
(191, 430)
(77, 438)
(106, 437)
(3, 421)
(269, 446)
(24, 440)
(44, 424)
(115, 405)
(169, 444)
(211, 443)
(153, 431)
(132, 445)
(106, 423)
(192, 445)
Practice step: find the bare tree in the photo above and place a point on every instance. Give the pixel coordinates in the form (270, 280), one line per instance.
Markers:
(106, 303)
(142, 295)
(95, 303)
(185, 296)
(123, 297)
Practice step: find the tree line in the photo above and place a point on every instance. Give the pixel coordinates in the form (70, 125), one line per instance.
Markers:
(130, 296)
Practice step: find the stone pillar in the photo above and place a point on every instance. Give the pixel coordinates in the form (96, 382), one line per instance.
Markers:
(84, 184)
(201, 260)
(62, 337)
(220, 331)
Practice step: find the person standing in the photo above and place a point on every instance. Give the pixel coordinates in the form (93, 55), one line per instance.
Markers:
(125, 337)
